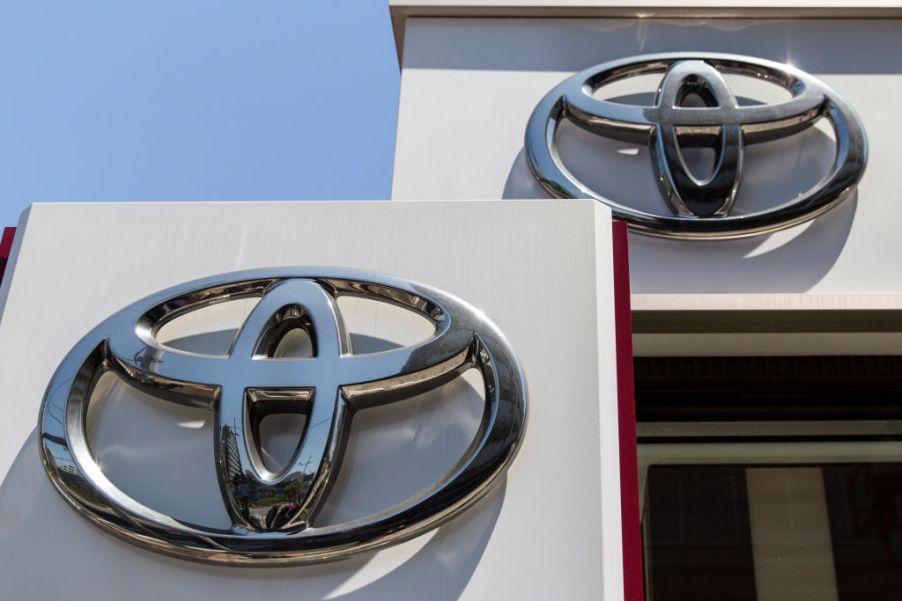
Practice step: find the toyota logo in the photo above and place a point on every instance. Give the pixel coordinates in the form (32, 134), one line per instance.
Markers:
(274, 514)
(701, 207)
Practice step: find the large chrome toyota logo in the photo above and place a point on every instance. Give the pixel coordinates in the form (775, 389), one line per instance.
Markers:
(701, 208)
(274, 515)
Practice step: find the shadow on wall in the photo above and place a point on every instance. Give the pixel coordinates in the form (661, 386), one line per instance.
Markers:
(49, 552)
(793, 260)
(162, 454)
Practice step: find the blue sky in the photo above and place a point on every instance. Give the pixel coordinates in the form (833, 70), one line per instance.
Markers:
(195, 100)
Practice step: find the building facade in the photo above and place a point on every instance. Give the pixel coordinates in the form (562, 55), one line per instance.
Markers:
(766, 365)
(674, 224)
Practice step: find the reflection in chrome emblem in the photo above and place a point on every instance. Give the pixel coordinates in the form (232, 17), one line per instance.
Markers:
(274, 514)
(701, 208)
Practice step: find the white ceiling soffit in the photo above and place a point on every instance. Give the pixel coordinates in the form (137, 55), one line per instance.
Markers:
(401, 10)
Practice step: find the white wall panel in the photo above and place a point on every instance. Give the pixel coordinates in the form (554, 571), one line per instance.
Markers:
(469, 86)
(540, 270)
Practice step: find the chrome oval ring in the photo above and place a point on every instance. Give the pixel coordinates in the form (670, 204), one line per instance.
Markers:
(811, 100)
(274, 514)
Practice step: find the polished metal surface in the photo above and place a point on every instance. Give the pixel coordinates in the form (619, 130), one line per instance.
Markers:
(701, 207)
(274, 514)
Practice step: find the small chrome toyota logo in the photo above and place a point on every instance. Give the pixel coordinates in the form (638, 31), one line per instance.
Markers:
(701, 208)
(274, 513)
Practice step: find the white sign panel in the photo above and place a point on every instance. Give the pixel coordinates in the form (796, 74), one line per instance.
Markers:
(469, 86)
(541, 271)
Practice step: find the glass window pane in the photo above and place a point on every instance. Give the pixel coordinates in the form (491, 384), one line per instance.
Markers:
(772, 518)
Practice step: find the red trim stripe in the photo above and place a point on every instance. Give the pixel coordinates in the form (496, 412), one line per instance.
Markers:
(626, 411)
(6, 248)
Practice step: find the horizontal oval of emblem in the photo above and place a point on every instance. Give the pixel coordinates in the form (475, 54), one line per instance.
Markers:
(701, 209)
(274, 514)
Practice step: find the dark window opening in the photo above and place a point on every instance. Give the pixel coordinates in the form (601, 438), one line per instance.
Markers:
(771, 478)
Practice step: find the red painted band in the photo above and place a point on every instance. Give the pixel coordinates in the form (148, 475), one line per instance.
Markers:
(6, 247)
(626, 419)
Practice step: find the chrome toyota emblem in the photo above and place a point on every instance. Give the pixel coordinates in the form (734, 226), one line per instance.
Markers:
(274, 515)
(701, 208)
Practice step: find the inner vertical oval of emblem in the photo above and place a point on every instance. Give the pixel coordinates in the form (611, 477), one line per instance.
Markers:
(713, 195)
(699, 147)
